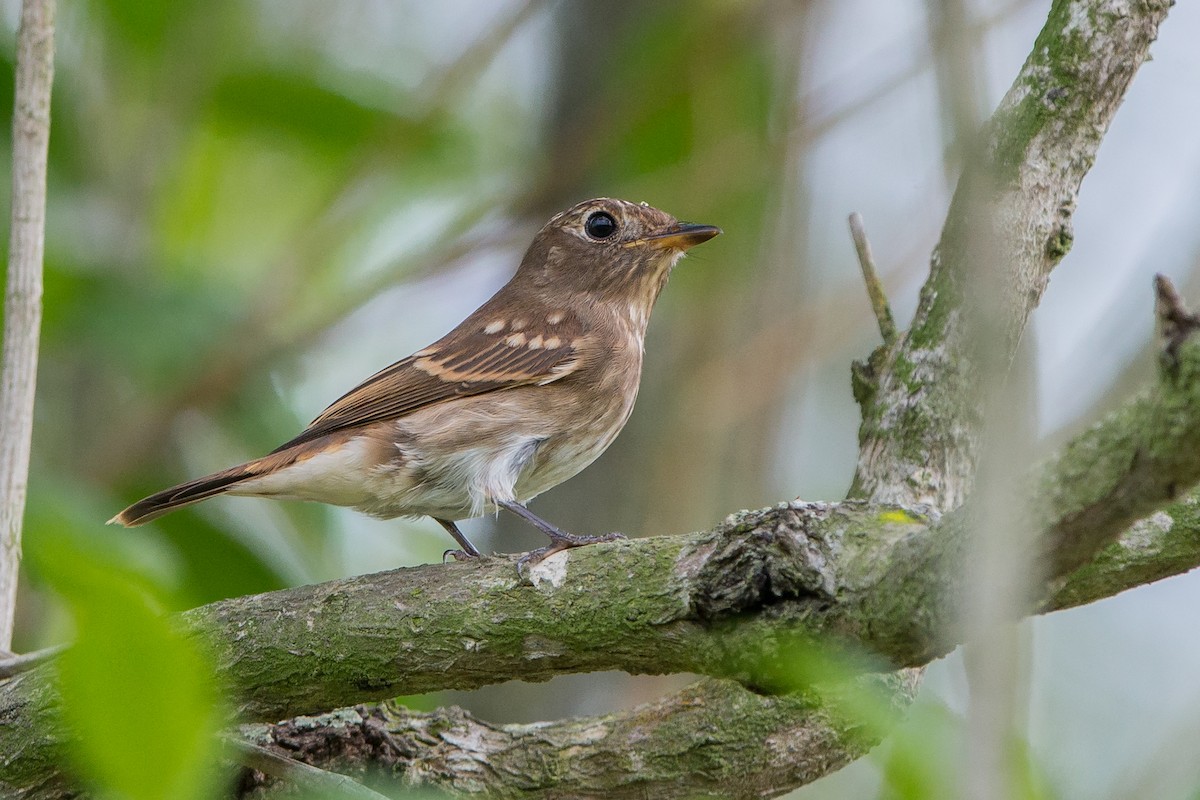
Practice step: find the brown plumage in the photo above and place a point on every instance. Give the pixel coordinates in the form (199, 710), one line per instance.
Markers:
(523, 394)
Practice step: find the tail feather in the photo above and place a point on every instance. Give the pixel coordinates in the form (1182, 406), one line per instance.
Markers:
(221, 482)
(185, 494)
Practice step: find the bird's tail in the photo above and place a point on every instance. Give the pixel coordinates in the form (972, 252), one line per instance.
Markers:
(185, 494)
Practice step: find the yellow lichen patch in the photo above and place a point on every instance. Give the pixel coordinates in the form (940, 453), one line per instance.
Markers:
(896, 516)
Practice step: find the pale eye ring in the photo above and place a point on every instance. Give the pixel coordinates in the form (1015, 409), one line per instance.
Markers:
(600, 225)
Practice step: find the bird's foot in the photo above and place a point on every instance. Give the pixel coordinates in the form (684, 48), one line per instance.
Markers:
(459, 555)
(559, 542)
(565, 540)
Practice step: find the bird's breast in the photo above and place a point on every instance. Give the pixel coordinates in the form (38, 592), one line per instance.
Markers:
(590, 412)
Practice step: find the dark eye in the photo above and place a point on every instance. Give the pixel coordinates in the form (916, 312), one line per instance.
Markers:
(600, 225)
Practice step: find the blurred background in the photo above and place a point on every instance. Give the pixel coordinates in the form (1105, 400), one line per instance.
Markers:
(254, 204)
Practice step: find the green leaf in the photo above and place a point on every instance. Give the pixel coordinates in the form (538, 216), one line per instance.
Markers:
(137, 694)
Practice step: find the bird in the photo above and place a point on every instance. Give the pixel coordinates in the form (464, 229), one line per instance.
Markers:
(522, 395)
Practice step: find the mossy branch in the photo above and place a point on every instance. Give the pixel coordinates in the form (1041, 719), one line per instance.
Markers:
(691, 744)
(876, 585)
(920, 398)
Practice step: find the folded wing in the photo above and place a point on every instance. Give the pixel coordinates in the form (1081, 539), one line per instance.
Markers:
(464, 363)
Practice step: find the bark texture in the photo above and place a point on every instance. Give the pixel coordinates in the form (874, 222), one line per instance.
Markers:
(753, 745)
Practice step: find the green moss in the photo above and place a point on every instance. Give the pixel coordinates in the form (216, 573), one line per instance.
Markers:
(939, 296)
(863, 383)
(1059, 244)
(1051, 83)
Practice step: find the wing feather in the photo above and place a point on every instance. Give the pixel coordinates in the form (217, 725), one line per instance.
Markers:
(466, 362)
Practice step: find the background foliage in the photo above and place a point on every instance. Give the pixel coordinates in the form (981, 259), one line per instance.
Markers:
(255, 204)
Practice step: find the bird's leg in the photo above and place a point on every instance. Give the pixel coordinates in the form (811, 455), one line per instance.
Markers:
(468, 550)
(559, 539)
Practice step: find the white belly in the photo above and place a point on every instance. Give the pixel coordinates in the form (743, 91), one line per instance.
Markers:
(450, 461)
(465, 482)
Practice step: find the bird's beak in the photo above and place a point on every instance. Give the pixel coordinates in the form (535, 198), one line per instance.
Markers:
(682, 235)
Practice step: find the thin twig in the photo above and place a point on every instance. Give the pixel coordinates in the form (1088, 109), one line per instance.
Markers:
(829, 96)
(879, 301)
(463, 73)
(12, 664)
(23, 293)
(303, 775)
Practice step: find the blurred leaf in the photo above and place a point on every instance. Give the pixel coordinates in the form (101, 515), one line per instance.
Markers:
(293, 105)
(923, 758)
(7, 82)
(235, 203)
(921, 755)
(145, 26)
(216, 565)
(137, 693)
(156, 331)
(661, 137)
(68, 508)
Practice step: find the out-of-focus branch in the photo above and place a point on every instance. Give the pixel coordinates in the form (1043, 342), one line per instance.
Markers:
(833, 95)
(12, 664)
(298, 774)
(23, 289)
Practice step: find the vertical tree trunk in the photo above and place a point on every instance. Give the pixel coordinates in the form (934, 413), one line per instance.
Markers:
(23, 292)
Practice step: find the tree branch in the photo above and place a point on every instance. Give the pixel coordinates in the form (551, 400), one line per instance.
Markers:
(877, 584)
(23, 291)
(12, 664)
(265, 762)
(919, 399)
(1133, 461)
(648, 751)
(879, 301)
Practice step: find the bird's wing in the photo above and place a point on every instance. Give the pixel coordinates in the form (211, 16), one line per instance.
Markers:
(470, 360)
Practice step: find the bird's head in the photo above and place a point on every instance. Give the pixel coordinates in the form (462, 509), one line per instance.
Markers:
(610, 250)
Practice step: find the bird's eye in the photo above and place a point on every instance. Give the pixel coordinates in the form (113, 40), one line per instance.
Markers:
(600, 225)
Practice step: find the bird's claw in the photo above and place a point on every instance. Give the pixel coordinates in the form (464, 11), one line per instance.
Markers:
(458, 555)
(534, 557)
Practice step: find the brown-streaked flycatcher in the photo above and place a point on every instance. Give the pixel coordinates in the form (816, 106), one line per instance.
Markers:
(526, 392)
